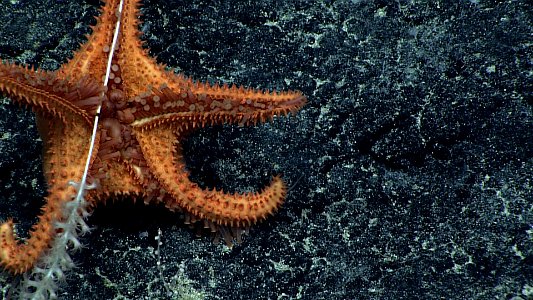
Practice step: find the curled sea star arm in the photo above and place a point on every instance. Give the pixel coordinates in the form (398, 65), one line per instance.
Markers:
(232, 210)
(61, 167)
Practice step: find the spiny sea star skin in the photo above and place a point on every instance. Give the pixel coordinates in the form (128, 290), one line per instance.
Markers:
(146, 112)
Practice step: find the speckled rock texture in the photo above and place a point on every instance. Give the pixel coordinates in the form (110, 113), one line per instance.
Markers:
(411, 167)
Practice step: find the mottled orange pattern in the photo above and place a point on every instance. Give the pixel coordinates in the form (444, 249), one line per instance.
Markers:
(146, 112)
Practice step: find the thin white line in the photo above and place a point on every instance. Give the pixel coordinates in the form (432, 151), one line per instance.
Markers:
(81, 189)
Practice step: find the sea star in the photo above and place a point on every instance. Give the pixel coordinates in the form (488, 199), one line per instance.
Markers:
(146, 112)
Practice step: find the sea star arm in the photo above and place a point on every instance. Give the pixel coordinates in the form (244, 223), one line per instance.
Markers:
(151, 90)
(57, 102)
(45, 91)
(233, 210)
(60, 168)
(159, 137)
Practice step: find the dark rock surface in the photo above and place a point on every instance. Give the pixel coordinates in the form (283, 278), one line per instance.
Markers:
(411, 168)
